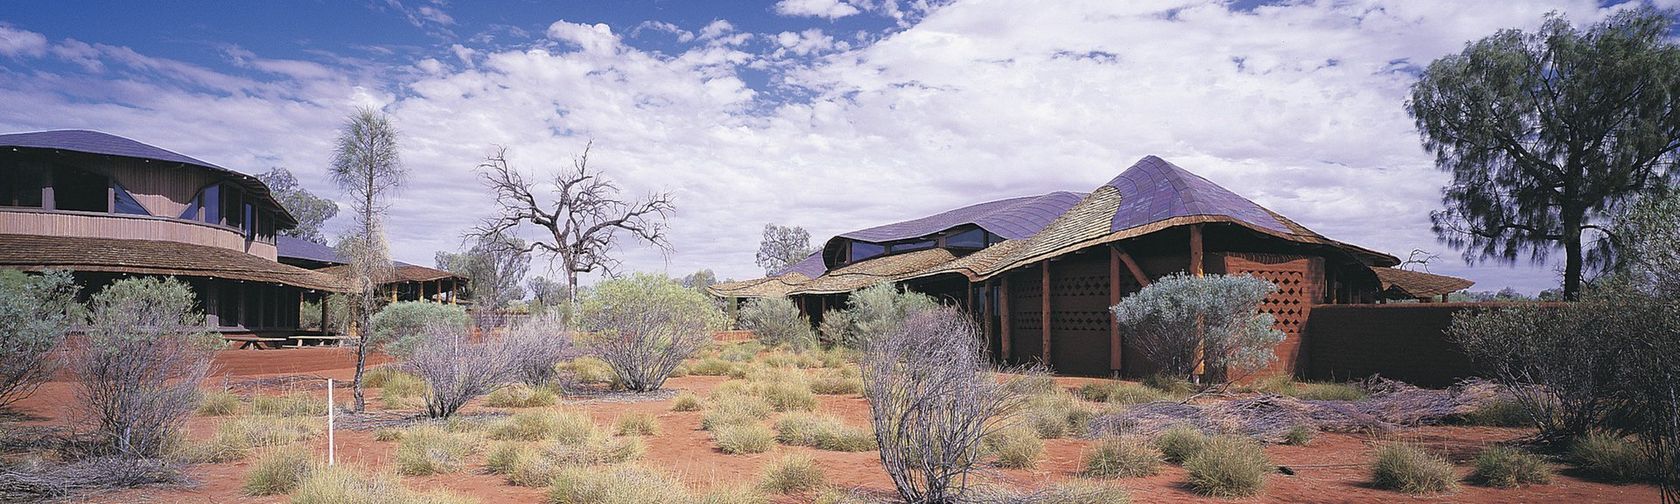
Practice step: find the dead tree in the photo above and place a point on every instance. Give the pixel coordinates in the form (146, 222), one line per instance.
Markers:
(582, 214)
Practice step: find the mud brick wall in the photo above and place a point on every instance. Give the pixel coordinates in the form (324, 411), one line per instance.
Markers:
(1406, 342)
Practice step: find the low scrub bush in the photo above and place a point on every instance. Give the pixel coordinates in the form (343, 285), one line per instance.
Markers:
(536, 345)
(734, 410)
(532, 471)
(521, 396)
(507, 455)
(537, 425)
(1318, 391)
(428, 449)
(376, 377)
(219, 403)
(458, 368)
(1121, 457)
(618, 485)
(741, 352)
(278, 471)
(777, 322)
(637, 424)
(646, 325)
(340, 484)
(686, 402)
(738, 439)
(1229, 466)
(712, 366)
(1507, 467)
(1501, 412)
(1299, 435)
(1611, 458)
(402, 390)
(588, 370)
(792, 474)
(789, 395)
(403, 326)
(1181, 321)
(1408, 468)
(1120, 392)
(1175, 386)
(822, 432)
(1016, 448)
(1179, 443)
(36, 313)
(1057, 414)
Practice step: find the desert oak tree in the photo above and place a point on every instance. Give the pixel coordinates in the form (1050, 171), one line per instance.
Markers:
(366, 166)
(1548, 134)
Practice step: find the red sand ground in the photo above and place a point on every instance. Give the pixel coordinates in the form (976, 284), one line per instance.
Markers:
(1331, 469)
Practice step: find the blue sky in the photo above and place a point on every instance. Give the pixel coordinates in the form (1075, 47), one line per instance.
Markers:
(830, 114)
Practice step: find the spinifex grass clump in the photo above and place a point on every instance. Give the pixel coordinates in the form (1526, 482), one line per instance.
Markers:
(1507, 467)
(1407, 468)
(793, 474)
(1122, 457)
(1015, 448)
(1229, 466)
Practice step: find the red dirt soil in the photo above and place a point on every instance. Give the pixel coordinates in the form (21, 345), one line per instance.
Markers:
(1333, 468)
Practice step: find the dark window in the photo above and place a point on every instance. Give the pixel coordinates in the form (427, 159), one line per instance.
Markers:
(228, 303)
(20, 185)
(210, 199)
(233, 207)
(265, 224)
(865, 250)
(124, 203)
(971, 239)
(992, 239)
(910, 245)
(80, 190)
(249, 221)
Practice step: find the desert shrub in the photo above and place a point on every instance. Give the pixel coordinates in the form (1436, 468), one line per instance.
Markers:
(1016, 448)
(1057, 414)
(536, 345)
(646, 325)
(504, 456)
(36, 312)
(618, 485)
(220, 403)
(289, 404)
(137, 375)
(1611, 458)
(837, 327)
(1500, 412)
(734, 411)
(712, 366)
(277, 471)
(777, 322)
(341, 484)
(1229, 466)
(874, 311)
(403, 326)
(1299, 435)
(738, 439)
(588, 369)
(1180, 442)
(637, 424)
(520, 395)
(429, 449)
(457, 369)
(1080, 492)
(1120, 392)
(933, 397)
(686, 402)
(1121, 457)
(1173, 317)
(792, 474)
(1407, 468)
(790, 395)
(1507, 467)
(1175, 386)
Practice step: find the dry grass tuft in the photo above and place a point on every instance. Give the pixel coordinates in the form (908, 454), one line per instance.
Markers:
(686, 402)
(1408, 468)
(1229, 466)
(1017, 448)
(520, 395)
(637, 424)
(220, 404)
(792, 474)
(739, 439)
(430, 449)
(1507, 467)
(1122, 457)
(278, 471)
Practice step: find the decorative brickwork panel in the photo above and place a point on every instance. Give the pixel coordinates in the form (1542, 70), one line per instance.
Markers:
(1079, 319)
(1300, 282)
(1026, 316)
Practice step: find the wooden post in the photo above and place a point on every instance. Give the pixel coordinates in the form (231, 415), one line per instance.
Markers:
(1114, 362)
(1003, 315)
(1045, 310)
(986, 308)
(1196, 266)
(325, 324)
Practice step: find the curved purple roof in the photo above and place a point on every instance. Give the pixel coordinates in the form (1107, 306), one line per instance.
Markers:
(298, 248)
(1012, 218)
(812, 266)
(1154, 189)
(95, 142)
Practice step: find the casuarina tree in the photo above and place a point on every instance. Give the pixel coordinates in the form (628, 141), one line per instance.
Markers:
(782, 246)
(311, 211)
(1549, 134)
(366, 166)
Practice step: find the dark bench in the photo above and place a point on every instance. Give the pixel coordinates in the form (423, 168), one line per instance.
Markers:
(254, 342)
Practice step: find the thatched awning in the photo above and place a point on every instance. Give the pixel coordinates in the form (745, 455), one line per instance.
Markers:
(1399, 283)
(767, 287)
(862, 274)
(146, 257)
(400, 272)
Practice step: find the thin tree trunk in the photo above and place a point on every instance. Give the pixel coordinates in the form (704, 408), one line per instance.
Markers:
(1573, 259)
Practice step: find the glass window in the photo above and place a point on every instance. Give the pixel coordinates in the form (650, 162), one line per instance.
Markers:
(80, 190)
(992, 239)
(124, 203)
(233, 207)
(865, 250)
(20, 185)
(909, 246)
(970, 239)
(210, 199)
(249, 221)
(265, 224)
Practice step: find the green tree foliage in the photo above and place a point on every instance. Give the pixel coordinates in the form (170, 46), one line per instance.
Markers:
(1175, 315)
(137, 377)
(494, 268)
(1650, 243)
(873, 311)
(645, 325)
(36, 312)
(401, 327)
(777, 321)
(1548, 134)
(366, 165)
(783, 246)
(310, 210)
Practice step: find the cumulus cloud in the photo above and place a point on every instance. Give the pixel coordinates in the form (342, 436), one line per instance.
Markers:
(1296, 106)
(662, 27)
(15, 42)
(830, 9)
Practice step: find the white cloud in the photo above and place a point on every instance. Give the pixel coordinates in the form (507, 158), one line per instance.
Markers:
(1296, 106)
(663, 27)
(16, 42)
(435, 15)
(831, 9)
